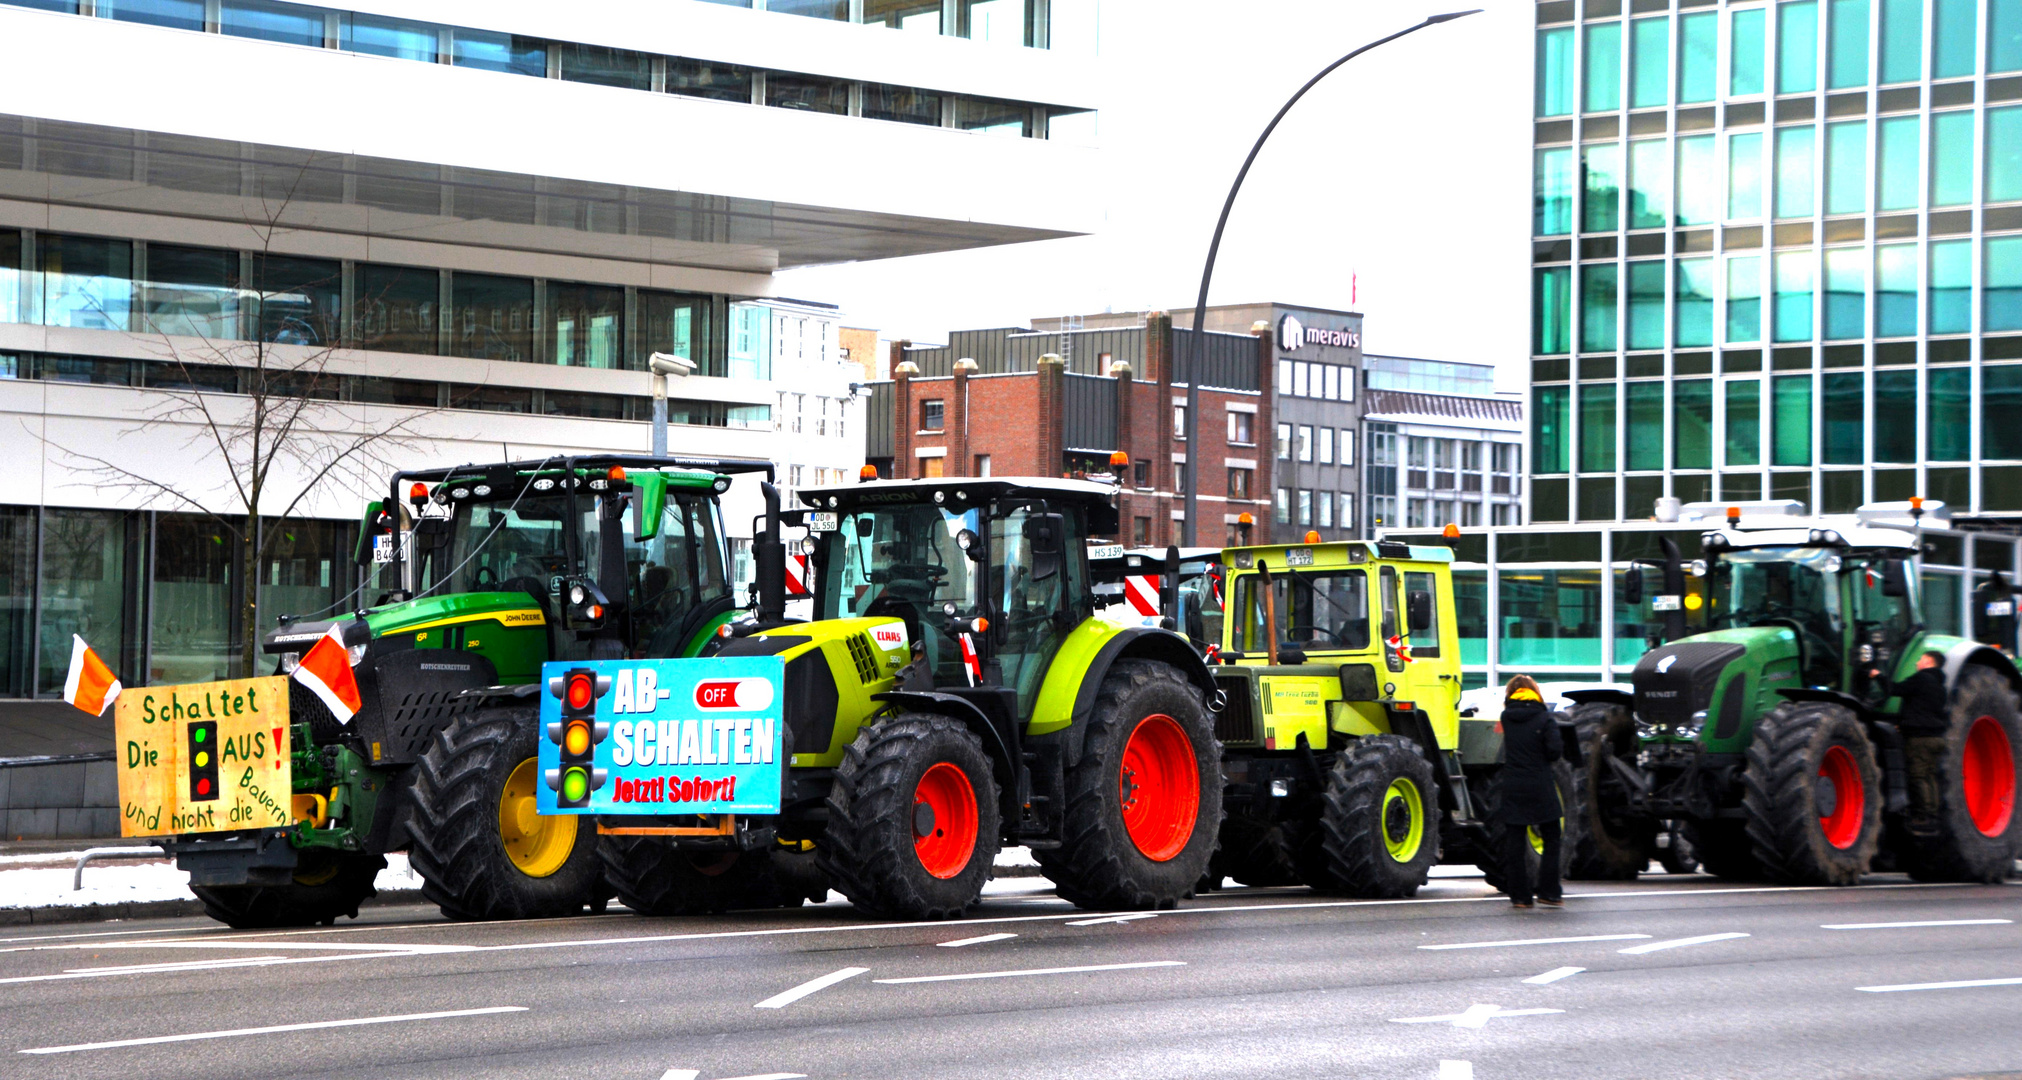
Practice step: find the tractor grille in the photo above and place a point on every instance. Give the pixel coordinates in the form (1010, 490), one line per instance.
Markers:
(1236, 724)
(865, 656)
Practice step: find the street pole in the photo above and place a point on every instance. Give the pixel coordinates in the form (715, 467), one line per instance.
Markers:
(1190, 531)
(659, 415)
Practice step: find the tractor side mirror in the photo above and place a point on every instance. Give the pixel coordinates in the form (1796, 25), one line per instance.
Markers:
(1895, 581)
(1045, 534)
(1632, 586)
(1418, 610)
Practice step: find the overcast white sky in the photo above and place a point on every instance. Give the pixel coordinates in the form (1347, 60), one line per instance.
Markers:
(1409, 167)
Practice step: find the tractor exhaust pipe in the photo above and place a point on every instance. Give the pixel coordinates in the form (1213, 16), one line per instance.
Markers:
(768, 558)
(1168, 590)
(1674, 584)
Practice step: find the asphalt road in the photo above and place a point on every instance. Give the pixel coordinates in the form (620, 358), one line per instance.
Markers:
(1678, 977)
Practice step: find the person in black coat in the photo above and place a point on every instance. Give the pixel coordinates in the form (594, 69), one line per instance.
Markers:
(1530, 796)
(1925, 719)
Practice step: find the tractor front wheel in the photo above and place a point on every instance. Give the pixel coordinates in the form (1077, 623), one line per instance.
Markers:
(482, 850)
(1811, 795)
(1144, 804)
(1978, 833)
(1378, 834)
(1612, 845)
(913, 819)
(326, 885)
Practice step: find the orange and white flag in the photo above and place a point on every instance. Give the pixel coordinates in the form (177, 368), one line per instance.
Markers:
(326, 670)
(91, 685)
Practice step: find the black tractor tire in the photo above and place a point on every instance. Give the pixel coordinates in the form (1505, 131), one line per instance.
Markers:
(457, 843)
(327, 886)
(1099, 864)
(652, 875)
(1254, 852)
(883, 830)
(1611, 846)
(1724, 850)
(1350, 853)
(1799, 823)
(1571, 829)
(1978, 830)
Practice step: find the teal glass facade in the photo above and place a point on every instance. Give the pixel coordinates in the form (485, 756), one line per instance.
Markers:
(1762, 227)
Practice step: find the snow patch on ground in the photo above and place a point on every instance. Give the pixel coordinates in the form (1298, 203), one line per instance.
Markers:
(38, 883)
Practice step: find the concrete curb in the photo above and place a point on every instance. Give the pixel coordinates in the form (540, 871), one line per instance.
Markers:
(155, 909)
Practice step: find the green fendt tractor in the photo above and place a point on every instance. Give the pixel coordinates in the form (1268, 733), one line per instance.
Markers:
(484, 573)
(1766, 738)
(1350, 769)
(956, 692)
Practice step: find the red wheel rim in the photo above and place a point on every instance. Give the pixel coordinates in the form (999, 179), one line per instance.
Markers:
(1843, 823)
(1988, 774)
(950, 821)
(1160, 785)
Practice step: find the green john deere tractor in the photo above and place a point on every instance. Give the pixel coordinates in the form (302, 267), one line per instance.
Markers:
(1765, 741)
(1350, 767)
(955, 693)
(485, 573)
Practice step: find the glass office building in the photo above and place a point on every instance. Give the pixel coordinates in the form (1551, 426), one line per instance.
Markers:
(1777, 253)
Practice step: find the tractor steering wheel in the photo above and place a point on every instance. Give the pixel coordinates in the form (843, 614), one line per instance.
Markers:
(483, 579)
(1315, 635)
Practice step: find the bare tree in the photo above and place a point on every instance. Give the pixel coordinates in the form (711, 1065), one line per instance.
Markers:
(248, 370)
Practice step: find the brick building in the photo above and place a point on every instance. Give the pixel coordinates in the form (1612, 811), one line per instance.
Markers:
(1011, 401)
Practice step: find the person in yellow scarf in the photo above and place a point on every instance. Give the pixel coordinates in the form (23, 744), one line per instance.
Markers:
(1530, 797)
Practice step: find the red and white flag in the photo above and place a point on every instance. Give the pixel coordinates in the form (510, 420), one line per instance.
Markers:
(796, 576)
(972, 665)
(326, 670)
(91, 685)
(1142, 592)
(1401, 647)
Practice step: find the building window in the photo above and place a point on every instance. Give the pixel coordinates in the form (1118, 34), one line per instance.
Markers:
(1846, 167)
(1950, 417)
(1602, 210)
(1503, 513)
(1284, 442)
(1305, 507)
(1643, 426)
(835, 10)
(1744, 422)
(87, 282)
(1551, 421)
(1597, 427)
(2002, 303)
(1141, 473)
(1242, 427)
(174, 14)
(1744, 298)
(1795, 147)
(1844, 419)
(1649, 184)
(1954, 48)
(1604, 67)
(1744, 176)
(1896, 398)
(902, 104)
(1346, 518)
(1952, 158)
(1747, 47)
(932, 414)
(1650, 82)
(1239, 483)
(932, 468)
(1323, 509)
(1382, 511)
(1846, 293)
(583, 325)
(510, 53)
(1555, 72)
(1551, 314)
(1347, 446)
(1896, 290)
(1470, 513)
(192, 292)
(1179, 423)
(807, 93)
(1698, 184)
(993, 117)
(1552, 181)
(491, 317)
(793, 475)
(1283, 514)
(1951, 287)
(1646, 305)
(1418, 513)
(983, 465)
(1797, 47)
(1698, 56)
(602, 66)
(1598, 288)
(1692, 313)
(1326, 437)
(705, 79)
(1305, 442)
(1140, 531)
(1692, 424)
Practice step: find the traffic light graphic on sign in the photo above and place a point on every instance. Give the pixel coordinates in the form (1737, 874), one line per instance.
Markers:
(577, 733)
(203, 758)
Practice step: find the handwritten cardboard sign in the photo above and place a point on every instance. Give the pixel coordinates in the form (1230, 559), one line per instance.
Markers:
(204, 757)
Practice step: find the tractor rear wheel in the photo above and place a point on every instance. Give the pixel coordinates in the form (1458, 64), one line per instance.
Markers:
(1378, 834)
(1612, 846)
(1978, 834)
(1255, 852)
(913, 819)
(1572, 828)
(1812, 795)
(654, 876)
(326, 885)
(1144, 804)
(482, 850)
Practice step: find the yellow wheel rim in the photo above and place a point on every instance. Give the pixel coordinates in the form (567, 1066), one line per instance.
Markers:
(538, 845)
(1403, 820)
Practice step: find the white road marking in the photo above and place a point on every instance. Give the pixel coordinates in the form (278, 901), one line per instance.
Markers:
(1965, 984)
(195, 965)
(772, 1076)
(1031, 971)
(1456, 1070)
(1534, 941)
(183, 965)
(1554, 975)
(1927, 922)
(1475, 1016)
(983, 940)
(276, 1029)
(680, 1074)
(302, 946)
(1678, 943)
(1115, 919)
(782, 1000)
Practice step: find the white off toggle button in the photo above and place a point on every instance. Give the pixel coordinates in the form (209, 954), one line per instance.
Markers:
(734, 695)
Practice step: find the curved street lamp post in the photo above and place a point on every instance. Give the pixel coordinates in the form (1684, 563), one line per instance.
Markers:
(1190, 531)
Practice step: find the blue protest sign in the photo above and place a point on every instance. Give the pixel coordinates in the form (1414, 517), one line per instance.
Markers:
(662, 736)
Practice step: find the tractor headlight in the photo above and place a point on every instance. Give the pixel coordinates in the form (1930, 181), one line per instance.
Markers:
(1690, 729)
(1645, 729)
(289, 662)
(357, 654)
(577, 595)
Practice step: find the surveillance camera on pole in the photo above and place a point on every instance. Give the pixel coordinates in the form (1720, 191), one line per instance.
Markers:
(662, 365)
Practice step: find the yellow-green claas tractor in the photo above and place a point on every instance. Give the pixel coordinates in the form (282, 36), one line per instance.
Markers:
(1349, 766)
(956, 692)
